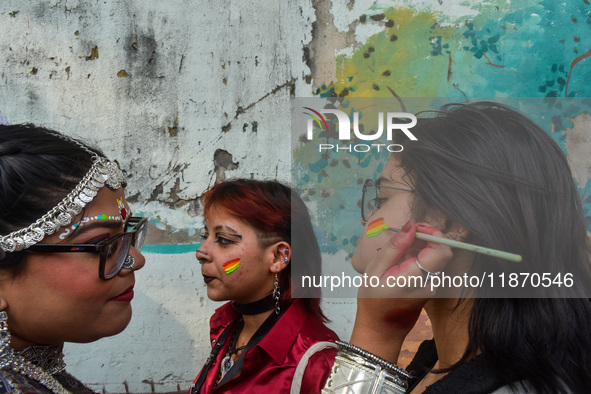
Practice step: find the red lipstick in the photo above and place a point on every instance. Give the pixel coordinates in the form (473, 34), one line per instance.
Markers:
(126, 296)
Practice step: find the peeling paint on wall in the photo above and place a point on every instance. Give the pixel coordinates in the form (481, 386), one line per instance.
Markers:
(223, 162)
(327, 40)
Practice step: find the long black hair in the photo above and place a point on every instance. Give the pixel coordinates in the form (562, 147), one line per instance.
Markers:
(492, 170)
(38, 168)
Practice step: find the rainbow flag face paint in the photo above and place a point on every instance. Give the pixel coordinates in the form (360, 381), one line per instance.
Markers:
(231, 266)
(376, 227)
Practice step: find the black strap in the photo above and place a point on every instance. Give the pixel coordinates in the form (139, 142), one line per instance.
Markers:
(214, 351)
(256, 338)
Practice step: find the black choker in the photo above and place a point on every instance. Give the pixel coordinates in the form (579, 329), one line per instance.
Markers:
(254, 308)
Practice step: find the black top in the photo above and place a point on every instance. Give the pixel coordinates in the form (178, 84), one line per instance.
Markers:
(473, 377)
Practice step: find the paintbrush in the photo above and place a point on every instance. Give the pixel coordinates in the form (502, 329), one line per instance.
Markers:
(377, 226)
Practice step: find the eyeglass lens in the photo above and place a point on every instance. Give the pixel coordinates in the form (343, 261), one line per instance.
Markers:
(116, 254)
(370, 194)
(140, 235)
(118, 251)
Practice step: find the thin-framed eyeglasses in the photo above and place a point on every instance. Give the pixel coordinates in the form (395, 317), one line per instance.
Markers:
(370, 200)
(112, 251)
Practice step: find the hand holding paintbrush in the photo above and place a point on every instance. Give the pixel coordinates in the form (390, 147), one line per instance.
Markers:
(378, 225)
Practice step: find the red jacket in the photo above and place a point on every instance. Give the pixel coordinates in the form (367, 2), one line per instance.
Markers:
(269, 366)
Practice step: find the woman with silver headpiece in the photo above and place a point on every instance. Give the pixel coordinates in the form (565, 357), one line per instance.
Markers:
(69, 247)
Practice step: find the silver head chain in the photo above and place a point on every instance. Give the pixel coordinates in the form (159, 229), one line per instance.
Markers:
(102, 172)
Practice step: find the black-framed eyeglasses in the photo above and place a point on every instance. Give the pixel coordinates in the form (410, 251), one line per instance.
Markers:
(112, 251)
(370, 200)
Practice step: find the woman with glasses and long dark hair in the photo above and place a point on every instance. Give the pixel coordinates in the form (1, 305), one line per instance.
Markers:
(68, 251)
(480, 174)
(260, 337)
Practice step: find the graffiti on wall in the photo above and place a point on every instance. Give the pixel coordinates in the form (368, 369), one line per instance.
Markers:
(537, 49)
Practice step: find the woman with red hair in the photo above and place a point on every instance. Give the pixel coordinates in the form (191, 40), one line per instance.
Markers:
(259, 337)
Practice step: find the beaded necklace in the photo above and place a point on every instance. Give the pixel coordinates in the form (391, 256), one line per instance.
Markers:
(50, 357)
(9, 359)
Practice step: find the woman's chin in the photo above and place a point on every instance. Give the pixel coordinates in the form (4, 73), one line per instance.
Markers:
(113, 329)
(357, 263)
(215, 296)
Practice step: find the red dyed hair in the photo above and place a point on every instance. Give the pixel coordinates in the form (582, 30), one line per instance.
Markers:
(273, 209)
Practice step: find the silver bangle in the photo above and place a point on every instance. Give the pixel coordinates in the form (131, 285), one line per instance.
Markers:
(388, 366)
(357, 370)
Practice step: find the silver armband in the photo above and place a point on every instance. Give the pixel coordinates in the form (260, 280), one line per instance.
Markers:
(358, 371)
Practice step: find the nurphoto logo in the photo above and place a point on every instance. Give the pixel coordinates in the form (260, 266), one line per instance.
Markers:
(393, 123)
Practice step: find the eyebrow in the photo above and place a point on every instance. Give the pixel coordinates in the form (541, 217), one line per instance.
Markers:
(228, 228)
(381, 180)
(391, 181)
(110, 224)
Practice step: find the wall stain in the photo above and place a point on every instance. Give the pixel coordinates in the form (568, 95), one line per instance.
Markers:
(173, 131)
(144, 58)
(377, 17)
(94, 54)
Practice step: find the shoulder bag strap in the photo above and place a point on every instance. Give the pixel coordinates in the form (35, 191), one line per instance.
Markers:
(298, 376)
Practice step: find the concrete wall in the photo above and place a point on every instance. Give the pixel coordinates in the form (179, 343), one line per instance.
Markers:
(185, 93)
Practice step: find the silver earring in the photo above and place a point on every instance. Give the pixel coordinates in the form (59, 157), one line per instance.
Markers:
(5, 351)
(128, 263)
(277, 294)
(286, 259)
(456, 236)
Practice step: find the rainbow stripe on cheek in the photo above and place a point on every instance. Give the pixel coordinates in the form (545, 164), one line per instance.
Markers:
(376, 227)
(231, 266)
